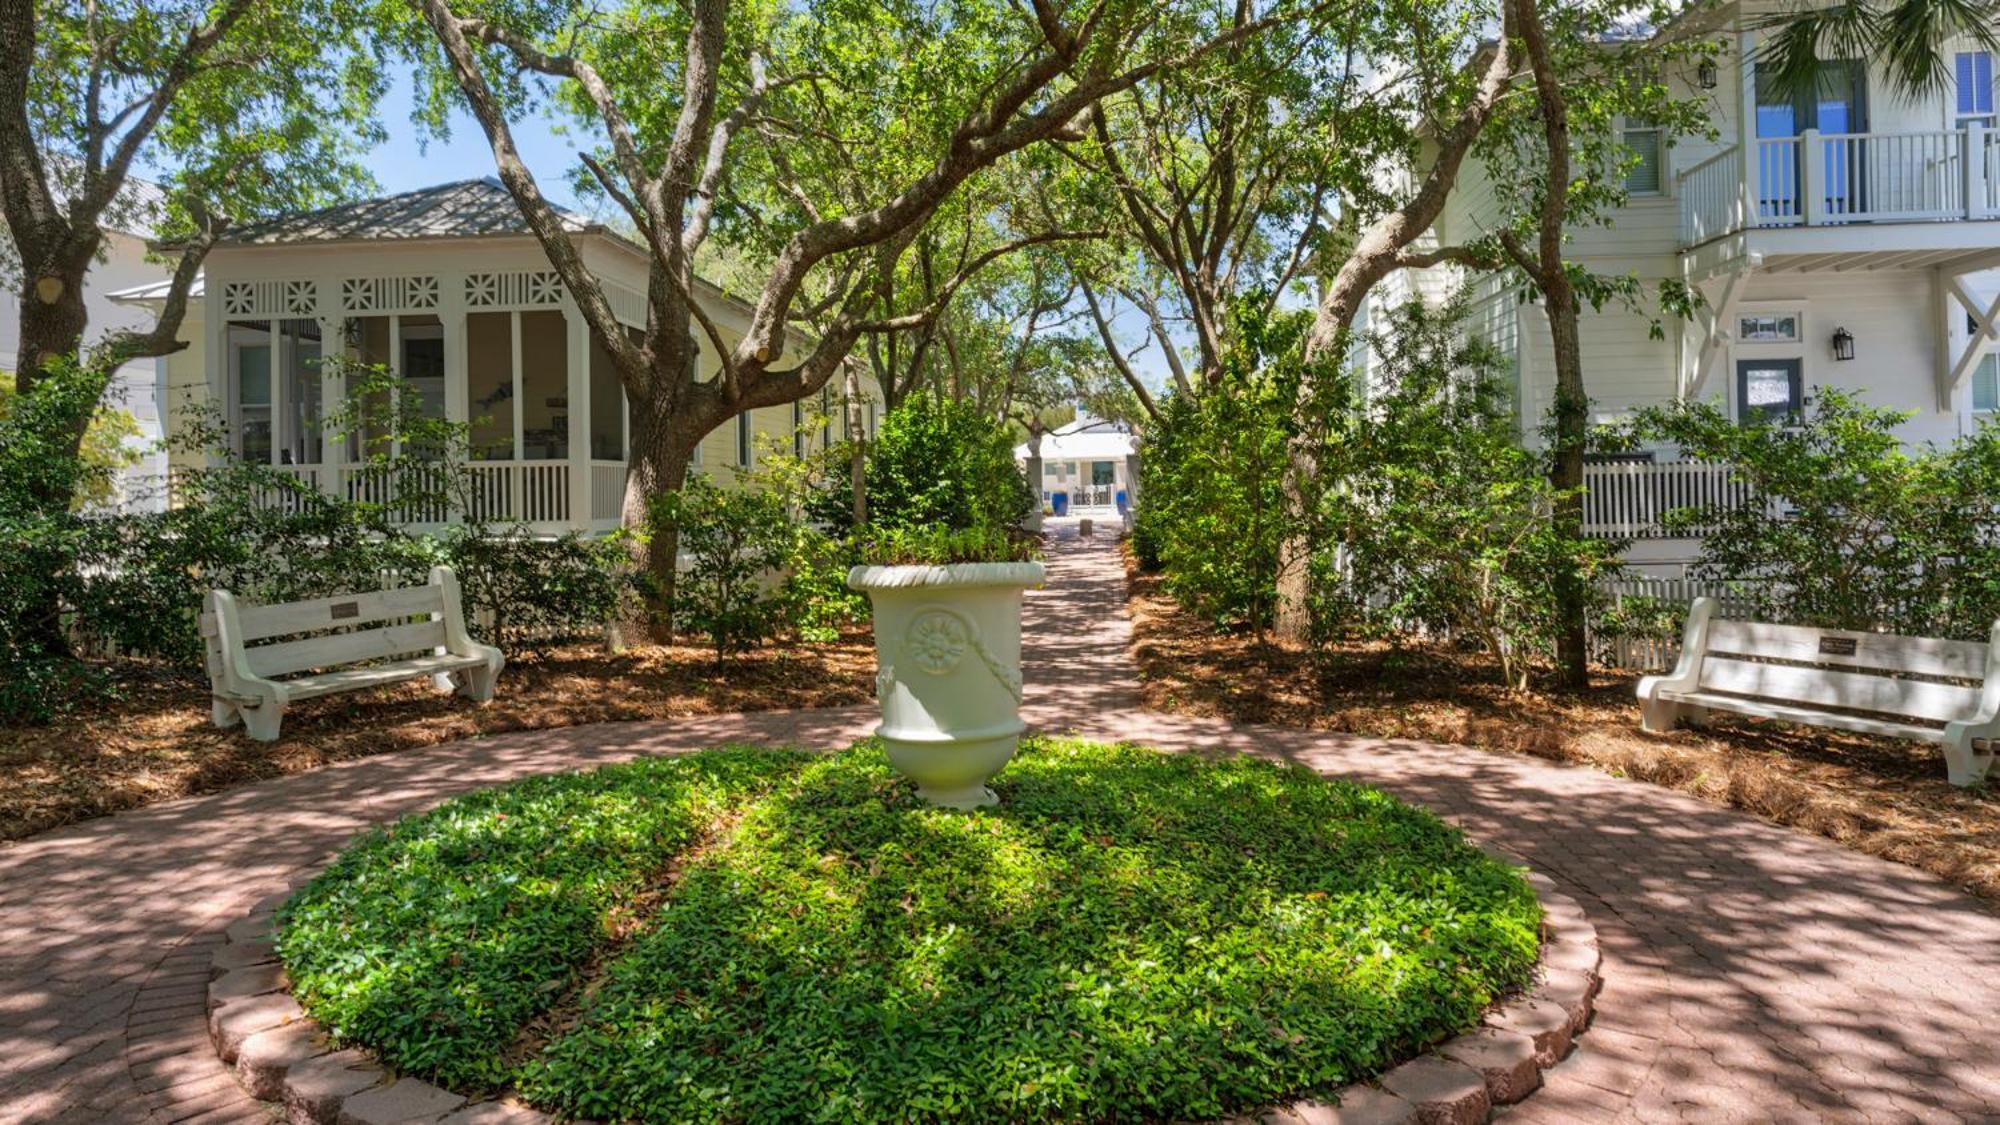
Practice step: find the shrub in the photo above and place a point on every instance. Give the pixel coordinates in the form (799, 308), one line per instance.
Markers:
(1213, 476)
(1436, 518)
(938, 463)
(735, 543)
(521, 591)
(40, 476)
(942, 546)
(1851, 530)
(814, 599)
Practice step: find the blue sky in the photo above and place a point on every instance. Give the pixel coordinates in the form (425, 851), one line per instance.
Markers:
(403, 163)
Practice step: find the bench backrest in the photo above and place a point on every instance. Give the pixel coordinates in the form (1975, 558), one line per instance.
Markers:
(1880, 672)
(371, 626)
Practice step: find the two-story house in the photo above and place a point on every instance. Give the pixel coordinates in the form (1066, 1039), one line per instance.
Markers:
(447, 289)
(1846, 239)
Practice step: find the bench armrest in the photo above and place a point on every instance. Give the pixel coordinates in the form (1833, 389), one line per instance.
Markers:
(1984, 723)
(1686, 675)
(457, 639)
(229, 673)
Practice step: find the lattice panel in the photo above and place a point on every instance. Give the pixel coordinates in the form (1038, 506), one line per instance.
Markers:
(513, 290)
(388, 294)
(270, 298)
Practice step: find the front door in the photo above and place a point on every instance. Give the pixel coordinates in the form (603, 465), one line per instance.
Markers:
(1837, 105)
(1770, 390)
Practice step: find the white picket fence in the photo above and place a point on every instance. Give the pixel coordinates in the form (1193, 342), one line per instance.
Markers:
(1655, 653)
(1628, 499)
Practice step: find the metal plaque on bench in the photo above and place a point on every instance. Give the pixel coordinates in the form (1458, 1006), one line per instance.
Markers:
(1836, 646)
(341, 611)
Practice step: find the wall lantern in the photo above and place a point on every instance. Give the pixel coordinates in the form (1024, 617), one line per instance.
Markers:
(1843, 344)
(1704, 73)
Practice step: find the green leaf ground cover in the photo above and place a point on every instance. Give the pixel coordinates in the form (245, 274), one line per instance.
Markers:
(1128, 935)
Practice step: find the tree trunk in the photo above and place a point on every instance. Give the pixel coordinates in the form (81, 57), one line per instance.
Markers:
(1572, 419)
(857, 452)
(663, 445)
(1571, 411)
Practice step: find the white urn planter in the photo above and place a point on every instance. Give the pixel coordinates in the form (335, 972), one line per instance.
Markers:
(948, 650)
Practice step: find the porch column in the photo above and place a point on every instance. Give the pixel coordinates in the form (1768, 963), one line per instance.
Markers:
(457, 377)
(332, 400)
(579, 415)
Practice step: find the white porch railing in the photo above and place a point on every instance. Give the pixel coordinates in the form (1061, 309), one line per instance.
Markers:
(1626, 500)
(1090, 495)
(497, 491)
(1712, 198)
(607, 490)
(1833, 179)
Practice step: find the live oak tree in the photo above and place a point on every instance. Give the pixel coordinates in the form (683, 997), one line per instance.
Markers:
(827, 136)
(1449, 104)
(229, 109)
(1559, 163)
(1219, 174)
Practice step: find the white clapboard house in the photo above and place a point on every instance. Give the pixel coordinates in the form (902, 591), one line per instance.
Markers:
(447, 288)
(1844, 240)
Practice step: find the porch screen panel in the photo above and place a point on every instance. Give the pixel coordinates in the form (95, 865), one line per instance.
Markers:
(422, 370)
(250, 389)
(607, 423)
(544, 386)
(370, 400)
(301, 439)
(489, 374)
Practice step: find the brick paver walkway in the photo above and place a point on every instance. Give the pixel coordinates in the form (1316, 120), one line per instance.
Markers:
(1751, 973)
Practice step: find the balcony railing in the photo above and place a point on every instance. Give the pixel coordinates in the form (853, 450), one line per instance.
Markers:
(1835, 179)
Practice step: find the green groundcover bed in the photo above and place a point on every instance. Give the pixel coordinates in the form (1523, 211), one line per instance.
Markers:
(751, 934)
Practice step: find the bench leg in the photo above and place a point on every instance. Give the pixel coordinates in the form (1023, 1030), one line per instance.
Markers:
(262, 721)
(224, 713)
(1965, 765)
(477, 684)
(1661, 716)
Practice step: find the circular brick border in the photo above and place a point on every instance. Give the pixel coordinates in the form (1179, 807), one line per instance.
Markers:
(279, 1055)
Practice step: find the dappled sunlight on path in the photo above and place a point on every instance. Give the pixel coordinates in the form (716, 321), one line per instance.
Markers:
(1751, 973)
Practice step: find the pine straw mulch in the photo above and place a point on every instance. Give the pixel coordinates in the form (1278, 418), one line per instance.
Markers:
(1885, 797)
(153, 741)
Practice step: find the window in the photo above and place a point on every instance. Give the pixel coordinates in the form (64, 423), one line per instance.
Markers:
(250, 380)
(1642, 140)
(1103, 474)
(1770, 390)
(1775, 328)
(743, 450)
(1986, 384)
(1974, 73)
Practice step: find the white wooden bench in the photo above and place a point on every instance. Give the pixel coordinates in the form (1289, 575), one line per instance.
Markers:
(418, 631)
(1870, 683)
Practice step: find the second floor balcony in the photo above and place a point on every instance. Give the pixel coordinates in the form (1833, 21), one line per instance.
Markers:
(1841, 180)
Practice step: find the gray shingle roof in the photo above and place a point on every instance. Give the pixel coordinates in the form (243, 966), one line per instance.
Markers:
(465, 209)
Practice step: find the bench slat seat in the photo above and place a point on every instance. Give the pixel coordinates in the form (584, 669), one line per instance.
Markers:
(252, 683)
(1819, 677)
(379, 675)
